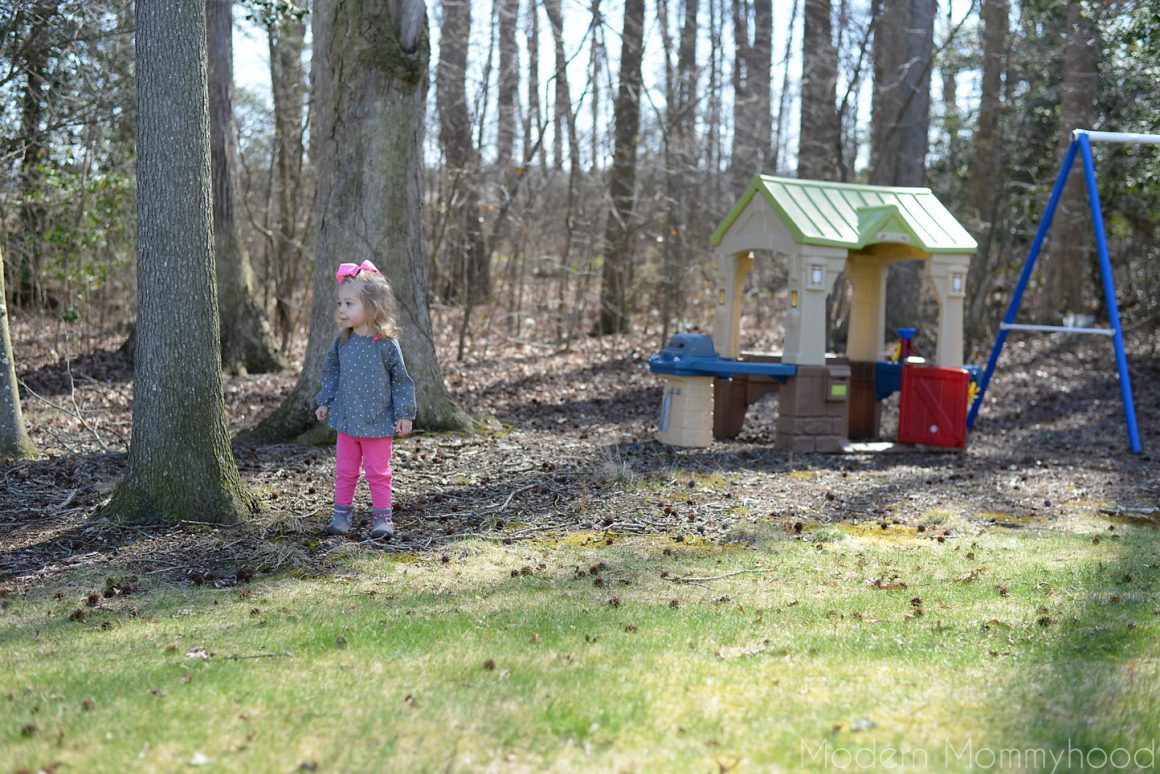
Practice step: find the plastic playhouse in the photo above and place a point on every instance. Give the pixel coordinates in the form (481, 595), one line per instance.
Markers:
(823, 229)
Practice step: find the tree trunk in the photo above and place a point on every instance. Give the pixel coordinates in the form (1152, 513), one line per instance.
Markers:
(596, 60)
(1070, 245)
(370, 79)
(533, 127)
(714, 151)
(984, 186)
(616, 273)
(819, 140)
(28, 291)
(181, 465)
(467, 277)
(14, 441)
(247, 344)
(286, 35)
(681, 168)
(903, 53)
(565, 116)
(752, 117)
(509, 83)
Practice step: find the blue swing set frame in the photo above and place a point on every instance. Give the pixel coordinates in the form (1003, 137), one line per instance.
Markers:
(1081, 145)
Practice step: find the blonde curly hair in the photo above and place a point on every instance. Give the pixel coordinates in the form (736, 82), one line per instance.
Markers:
(378, 298)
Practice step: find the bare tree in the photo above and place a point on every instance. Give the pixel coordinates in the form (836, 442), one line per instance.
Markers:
(1070, 246)
(181, 465)
(246, 340)
(752, 117)
(286, 36)
(509, 83)
(900, 121)
(984, 187)
(819, 137)
(616, 274)
(680, 168)
(466, 277)
(14, 441)
(565, 117)
(370, 91)
(39, 48)
(534, 116)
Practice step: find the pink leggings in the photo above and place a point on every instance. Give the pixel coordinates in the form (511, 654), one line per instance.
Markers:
(373, 454)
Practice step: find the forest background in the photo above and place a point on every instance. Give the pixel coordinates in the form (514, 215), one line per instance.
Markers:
(974, 99)
(562, 238)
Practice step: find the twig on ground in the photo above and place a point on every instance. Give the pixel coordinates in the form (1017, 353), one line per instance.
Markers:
(283, 654)
(679, 579)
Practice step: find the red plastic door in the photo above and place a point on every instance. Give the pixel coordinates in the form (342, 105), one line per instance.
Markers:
(932, 406)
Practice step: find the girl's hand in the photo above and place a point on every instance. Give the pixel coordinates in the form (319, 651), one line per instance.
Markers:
(403, 427)
(322, 412)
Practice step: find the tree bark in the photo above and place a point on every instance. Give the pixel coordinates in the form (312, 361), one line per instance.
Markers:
(984, 186)
(819, 140)
(1070, 242)
(752, 117)
(533, 128)
(286, 35)
(247, 343)
(982, 181)
(681, 168)
(616, 274)
(509, 83)
(467, 275)
(370, 81)
(29, 291)
(565, 116)
(903, 55)
(181, 465)
(14, 441)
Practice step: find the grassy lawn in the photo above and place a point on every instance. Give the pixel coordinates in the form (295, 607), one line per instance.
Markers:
(859, 648)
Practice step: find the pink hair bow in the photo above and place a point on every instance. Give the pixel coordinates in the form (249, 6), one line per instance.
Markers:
(352, 269)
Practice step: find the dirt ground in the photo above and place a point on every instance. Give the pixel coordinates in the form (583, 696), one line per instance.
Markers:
(567, 446)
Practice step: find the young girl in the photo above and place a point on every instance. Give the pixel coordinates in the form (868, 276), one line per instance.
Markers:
(366, 394)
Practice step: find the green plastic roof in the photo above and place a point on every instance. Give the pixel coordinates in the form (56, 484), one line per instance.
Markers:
(855, 216)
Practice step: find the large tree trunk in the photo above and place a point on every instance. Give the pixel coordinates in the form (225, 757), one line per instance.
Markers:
(752, 117)
(680, 169)
(247, 342)
(286, 35)
(14, 441)
(903, 54)
(370, 79)
(181, 465)
(616, 274)
(819, 138)
(1070, 246)
(983, 179)
(467, 276)
(984, 186)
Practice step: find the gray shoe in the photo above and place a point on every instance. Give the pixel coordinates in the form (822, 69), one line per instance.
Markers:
(382, 527)
(339, 523)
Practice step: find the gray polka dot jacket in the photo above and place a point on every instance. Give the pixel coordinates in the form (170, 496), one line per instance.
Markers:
(366, 387)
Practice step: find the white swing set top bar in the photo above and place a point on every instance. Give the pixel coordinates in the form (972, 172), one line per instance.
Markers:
(1056, 329)
(1093, 136)
(1124, 137)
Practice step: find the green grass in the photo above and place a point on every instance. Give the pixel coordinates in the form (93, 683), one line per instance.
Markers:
(513, 658)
